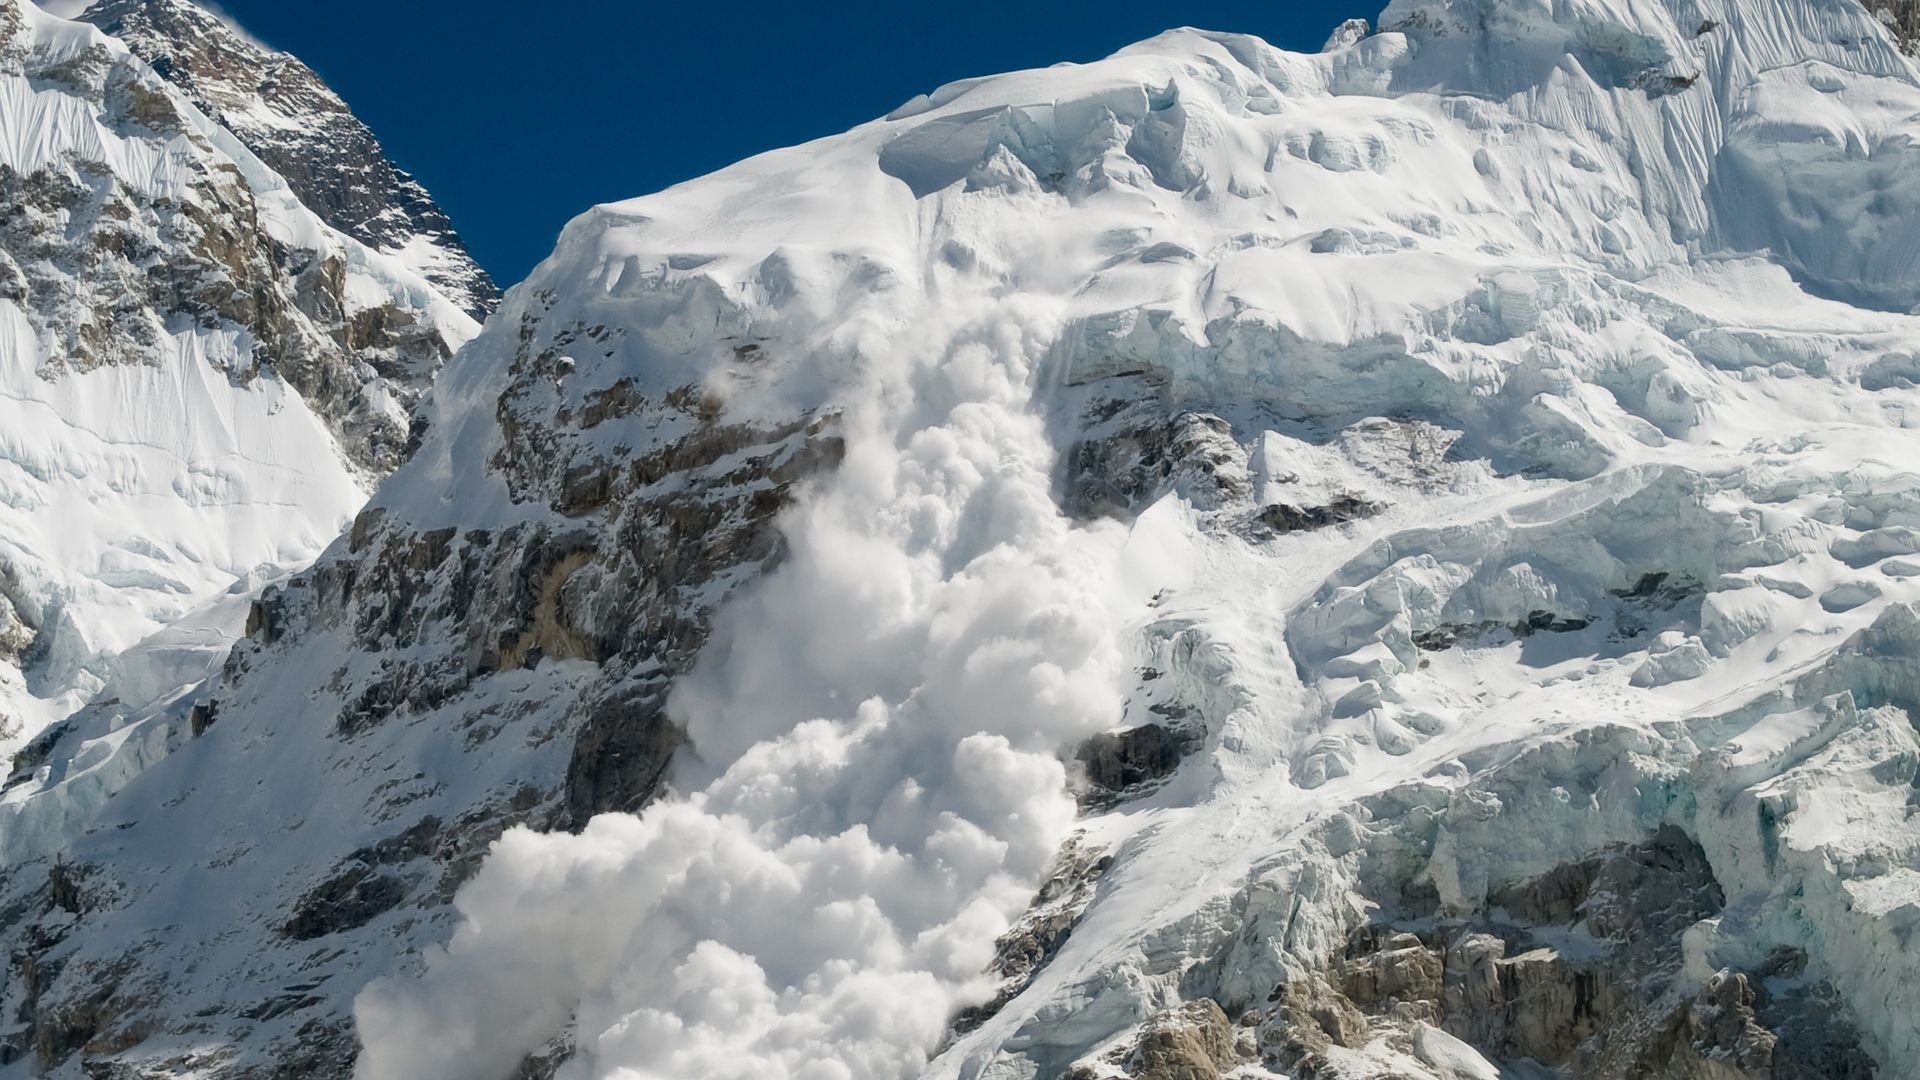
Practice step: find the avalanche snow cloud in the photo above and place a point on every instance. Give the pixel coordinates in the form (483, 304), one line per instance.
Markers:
(874, 787)
(1603, 310)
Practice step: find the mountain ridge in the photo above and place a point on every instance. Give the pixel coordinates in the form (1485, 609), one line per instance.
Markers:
(202, 377)
(1396, 561)
(284, 113)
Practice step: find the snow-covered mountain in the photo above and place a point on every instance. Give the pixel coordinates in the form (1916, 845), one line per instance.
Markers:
(301, 129)
(199, 379)
(1396, 562)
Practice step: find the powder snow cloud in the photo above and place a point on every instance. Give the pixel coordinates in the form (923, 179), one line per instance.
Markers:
(873, 787)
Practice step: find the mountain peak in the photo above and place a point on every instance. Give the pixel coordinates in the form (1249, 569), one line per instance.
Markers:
(284, 112)
(1401, 560)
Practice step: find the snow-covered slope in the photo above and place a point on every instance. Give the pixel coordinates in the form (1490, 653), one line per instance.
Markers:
(283, 112)
(1394, 562)
(198, 378)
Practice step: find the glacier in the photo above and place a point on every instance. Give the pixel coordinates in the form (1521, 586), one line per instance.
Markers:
(1398, 561)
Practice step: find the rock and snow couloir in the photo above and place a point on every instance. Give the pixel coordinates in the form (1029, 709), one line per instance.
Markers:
(1403, 561)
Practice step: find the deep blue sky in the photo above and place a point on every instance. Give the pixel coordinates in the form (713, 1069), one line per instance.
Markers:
(517, 116)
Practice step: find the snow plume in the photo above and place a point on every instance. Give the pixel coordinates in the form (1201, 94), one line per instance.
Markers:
(875, 787)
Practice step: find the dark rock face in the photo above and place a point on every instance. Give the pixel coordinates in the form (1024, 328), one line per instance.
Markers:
(363, 887)
(535, 654)
(1030, 943)
(1903, 18)
(1135, 453)
(1577, 970)
(1285, 518)
(104, 271)
(622, 587)
(1122, 762)
(1128, 443)
(281, 110)
(620, 756)
(1447, 635)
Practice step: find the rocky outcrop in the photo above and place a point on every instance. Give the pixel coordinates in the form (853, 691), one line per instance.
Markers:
(1133, 453)
(1122, 762)
(1025, 948)
(1192, 1042)
(107, 274)
(1579, 969)
(1903, 18)
(539, 652)
(283, 112)
(1286, 518)
(1135, 443)
(16, 635)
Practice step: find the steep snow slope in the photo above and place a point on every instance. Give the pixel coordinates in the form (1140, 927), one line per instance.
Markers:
(1395, 562)
(284, 113)
(200, 378)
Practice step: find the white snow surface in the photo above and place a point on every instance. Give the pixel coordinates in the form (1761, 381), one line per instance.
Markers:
(1652, 266)
(131, 495)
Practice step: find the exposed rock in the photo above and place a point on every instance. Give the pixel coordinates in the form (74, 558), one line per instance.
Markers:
(440, 626)
(1348, 33)
(15, 635)
(1306, 1017)
(361, 890)
(1903, 18)
(105, 269)
(1447, 635)
(1025, 948)
(1576, 969)
(621, 754)
(1283, 518)
(1398, 969)
(353, 899)
(1120, 763)
(1712, 1035)
(545, 1062)
(1137, 453)
(283, 112)
(38, 749)
(1192, 1042)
